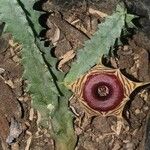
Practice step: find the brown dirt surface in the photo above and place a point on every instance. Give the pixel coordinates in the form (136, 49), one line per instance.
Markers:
(69, 24)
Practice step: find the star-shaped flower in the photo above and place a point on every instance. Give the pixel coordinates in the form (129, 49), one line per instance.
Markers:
(104, 91)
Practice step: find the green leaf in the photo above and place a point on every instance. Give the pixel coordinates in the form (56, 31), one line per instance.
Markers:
(62, 124)
(33, 17)
(31, 14)
(129, 19)
(98, 45)
(51, 61)
(63, 131)
(40, 81)
(22, 22)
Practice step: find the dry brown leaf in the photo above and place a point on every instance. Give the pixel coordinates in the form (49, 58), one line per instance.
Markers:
(116, 146)
(12, 44)
(117, 129)
(29, 140)
(144, 95)
(83, 29)
(65, 58)
(15, 146)
(54, 33)
(56, 36)
(97, 12)
(2, 70)
(10, 83)
(31, 114)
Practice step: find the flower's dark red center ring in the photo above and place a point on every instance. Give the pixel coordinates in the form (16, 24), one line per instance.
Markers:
(103, 92)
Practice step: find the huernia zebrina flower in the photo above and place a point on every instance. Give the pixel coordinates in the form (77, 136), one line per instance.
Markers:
(104, 91)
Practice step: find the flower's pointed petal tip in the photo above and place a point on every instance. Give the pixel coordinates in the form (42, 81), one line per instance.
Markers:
(140, 84)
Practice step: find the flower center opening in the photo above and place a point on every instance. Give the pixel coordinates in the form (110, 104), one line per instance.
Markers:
(103, 91)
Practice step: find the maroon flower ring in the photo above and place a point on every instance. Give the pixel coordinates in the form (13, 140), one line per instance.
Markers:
(103, 92)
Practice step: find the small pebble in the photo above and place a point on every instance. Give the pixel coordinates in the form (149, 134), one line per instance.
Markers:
(129, 146)
(137, 111)
(146, 108)
(116, 146)
(15, 131)
(2, 70)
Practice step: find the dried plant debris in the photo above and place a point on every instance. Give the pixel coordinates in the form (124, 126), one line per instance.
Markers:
(14, 131)
(2, 71)
(65, 58)
(67, 32)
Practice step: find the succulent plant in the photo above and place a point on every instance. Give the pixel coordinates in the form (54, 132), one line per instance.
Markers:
(102, 90)
(39, 71)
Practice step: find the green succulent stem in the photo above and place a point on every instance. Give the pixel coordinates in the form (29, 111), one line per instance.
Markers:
(40, 71)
